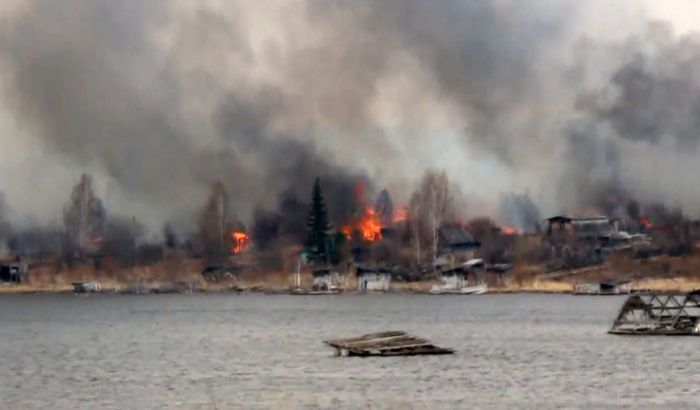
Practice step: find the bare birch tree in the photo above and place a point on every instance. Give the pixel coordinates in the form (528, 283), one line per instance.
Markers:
(431, 204)
(4, 223)
(214, 221)
(83, 219)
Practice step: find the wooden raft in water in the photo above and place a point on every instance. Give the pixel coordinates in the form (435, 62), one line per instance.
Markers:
(391, 343)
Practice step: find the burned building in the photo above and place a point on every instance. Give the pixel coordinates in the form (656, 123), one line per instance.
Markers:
(562, 227)
(577, 241)
(581, 241)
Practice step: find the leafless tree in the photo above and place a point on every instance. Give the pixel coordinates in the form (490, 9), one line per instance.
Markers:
(431, 204)
(213, 222)
(4, 223)
(83, 219)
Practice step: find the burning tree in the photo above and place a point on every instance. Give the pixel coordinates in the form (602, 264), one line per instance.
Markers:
(366, 224)
(317, 225)
(431, 204)
(83, 218)
(384, 208)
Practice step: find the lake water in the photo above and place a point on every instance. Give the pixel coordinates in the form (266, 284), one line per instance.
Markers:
(258, 351)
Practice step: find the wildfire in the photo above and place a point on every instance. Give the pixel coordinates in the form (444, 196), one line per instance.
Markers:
(646, 222)
(367, 224)
(509, 230)
(400, 214)
(240, 242)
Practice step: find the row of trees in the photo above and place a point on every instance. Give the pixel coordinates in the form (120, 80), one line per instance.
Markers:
(89, 231)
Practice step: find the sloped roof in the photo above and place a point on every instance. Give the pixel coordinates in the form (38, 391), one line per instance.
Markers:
(456, 236)
(369, 270)
(569, 218)
(322, 272)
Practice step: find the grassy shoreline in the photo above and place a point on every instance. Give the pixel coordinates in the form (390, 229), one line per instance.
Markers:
(662, 274)
(535, 287)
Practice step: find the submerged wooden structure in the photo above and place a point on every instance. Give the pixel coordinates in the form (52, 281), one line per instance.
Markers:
(673, 314)
(390, 343)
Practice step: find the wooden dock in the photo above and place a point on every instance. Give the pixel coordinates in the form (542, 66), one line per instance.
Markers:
(672, 314)
(390, 343)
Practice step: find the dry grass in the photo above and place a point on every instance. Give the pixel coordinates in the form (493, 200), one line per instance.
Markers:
(661, 273)
(534, 285)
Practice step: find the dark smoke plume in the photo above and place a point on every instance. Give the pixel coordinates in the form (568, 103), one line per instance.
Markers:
(519, 211)
(156, 99)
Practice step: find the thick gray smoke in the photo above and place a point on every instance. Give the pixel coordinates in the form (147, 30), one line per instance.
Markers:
(519, 211)
(158, 99)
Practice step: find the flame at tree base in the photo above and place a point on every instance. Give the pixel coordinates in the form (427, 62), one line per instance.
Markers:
(240, 242)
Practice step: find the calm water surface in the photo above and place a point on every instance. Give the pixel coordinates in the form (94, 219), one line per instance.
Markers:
(260, 352)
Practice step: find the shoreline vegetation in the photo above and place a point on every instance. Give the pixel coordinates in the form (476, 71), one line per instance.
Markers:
(663, 274)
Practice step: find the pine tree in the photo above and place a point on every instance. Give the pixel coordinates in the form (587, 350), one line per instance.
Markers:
(317, 225)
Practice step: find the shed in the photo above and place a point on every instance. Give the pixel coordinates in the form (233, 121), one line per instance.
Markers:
(13, 272)
(326, 279)
(371, 279)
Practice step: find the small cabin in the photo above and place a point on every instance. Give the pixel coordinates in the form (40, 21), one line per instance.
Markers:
(609, 287)
(456, 277)
(327, 279)
(457, 242)
(14, 272)
(371, 279)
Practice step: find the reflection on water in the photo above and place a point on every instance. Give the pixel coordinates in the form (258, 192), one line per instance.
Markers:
(249, 352)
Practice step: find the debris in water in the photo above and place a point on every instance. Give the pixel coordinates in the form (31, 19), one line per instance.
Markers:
(390, 343)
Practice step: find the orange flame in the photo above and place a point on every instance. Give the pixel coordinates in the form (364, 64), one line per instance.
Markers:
(646, 222)
(400, 214)
(240, 242)
(509, 230)
(368, 225)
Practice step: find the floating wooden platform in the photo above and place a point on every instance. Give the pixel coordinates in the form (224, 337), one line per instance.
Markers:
(659, 314)
(390, 343)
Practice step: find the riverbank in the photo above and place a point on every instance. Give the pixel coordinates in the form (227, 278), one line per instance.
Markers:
(679, 284)
(662, 274)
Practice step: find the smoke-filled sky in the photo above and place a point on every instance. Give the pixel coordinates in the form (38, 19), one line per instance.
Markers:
(567, 100)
